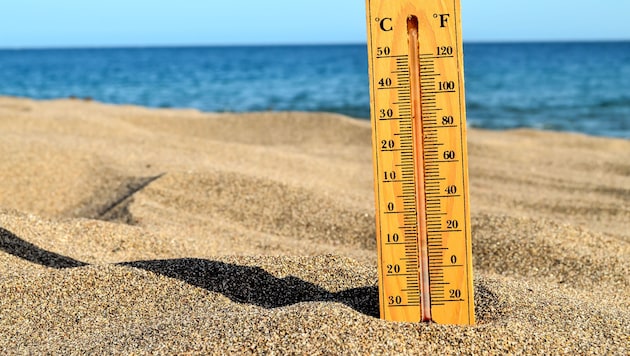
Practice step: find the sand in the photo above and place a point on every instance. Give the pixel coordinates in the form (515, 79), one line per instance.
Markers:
(132, 230)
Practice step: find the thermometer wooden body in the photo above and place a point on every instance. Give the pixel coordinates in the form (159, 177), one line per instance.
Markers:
(420, 161)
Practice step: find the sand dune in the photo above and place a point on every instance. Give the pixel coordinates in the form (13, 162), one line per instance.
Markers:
(132, 230)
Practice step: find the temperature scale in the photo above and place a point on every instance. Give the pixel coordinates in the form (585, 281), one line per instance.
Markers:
(420, 161)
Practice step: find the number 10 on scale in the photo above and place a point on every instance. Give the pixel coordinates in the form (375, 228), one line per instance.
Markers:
(420, 161)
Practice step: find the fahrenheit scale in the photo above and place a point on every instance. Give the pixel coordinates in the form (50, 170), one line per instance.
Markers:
(420, 161)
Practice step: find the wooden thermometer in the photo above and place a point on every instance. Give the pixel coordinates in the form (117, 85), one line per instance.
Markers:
(420, 161)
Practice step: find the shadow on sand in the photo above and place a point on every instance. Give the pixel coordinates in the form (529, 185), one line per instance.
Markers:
(242, 284)
(15, 246)
(254, 285)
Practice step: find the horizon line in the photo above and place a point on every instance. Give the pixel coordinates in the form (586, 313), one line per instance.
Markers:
(289, 44)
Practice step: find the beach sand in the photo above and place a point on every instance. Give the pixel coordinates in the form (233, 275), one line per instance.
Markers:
(132, 230)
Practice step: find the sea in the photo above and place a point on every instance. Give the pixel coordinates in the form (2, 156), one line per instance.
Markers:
(572, 86)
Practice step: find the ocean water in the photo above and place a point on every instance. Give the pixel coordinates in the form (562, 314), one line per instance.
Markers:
(581, 87)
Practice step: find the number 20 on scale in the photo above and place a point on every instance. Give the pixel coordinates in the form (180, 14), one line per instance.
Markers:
(420, 161)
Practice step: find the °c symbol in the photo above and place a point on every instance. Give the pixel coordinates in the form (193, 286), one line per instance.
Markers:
(385, 23)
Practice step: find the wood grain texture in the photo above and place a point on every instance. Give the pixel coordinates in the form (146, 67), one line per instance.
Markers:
(420, 161)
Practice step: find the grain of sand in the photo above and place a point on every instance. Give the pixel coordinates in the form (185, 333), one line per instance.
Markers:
(130, 230)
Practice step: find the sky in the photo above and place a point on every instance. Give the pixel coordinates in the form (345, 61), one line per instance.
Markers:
(84, 23)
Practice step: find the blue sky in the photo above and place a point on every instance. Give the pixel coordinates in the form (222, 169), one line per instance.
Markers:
(69, 23)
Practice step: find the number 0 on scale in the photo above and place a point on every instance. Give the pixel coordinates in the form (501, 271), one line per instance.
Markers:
(420, 161)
